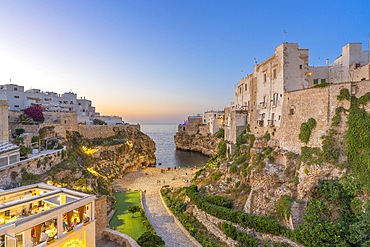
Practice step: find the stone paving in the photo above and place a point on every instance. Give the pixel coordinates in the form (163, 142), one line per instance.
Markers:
(151, 180)
(106, 243)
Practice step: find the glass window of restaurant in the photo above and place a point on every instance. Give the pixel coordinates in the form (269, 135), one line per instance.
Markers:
(76, 217)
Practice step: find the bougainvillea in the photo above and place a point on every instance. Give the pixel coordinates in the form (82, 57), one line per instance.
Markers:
(35, 112)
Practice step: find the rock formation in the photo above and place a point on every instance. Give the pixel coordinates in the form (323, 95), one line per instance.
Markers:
(205, 144)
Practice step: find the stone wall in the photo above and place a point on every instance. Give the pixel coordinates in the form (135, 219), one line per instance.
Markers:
(177, 222)
(119, 238)
(36, 165)
(104, 131)
(317, 103)
(101, 222)
(4, 129)
(211, 224)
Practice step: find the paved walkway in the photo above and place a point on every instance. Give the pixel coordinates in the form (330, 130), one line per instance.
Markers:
(106, 243)
(151, 180)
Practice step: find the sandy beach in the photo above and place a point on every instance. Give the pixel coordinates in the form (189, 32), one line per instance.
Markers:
(149, 179)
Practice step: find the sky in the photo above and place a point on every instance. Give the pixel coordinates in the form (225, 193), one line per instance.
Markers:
(163, 60)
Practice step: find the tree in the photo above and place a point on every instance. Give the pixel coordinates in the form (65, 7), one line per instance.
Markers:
(133, 209)
(148, 239)
(99, 122)
(35, 112)
(23, 119)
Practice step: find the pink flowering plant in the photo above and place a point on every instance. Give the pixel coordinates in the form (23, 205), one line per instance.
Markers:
(35, 112)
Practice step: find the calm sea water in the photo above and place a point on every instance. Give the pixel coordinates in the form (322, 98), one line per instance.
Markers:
(162, 135)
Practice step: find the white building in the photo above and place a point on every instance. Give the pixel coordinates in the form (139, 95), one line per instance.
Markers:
(288, 70)
(43, 215)
(213, 119)
(18, 99)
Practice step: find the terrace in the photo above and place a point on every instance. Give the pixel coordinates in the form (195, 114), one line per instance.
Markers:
(41, 215)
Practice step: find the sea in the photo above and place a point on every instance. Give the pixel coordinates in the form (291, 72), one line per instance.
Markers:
(166, 153)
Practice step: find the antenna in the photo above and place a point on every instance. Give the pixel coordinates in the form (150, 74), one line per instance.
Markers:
(285, 34)
(255, 61)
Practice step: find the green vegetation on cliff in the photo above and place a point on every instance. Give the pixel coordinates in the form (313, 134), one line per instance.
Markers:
(259, 223)
(332, 217)
(358, 139)
(306, 129)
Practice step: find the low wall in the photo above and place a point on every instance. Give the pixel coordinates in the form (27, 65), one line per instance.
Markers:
(101, 221)
(103, 131)
(119, 238)
(211, 222)
(178, 223)
(36, 165)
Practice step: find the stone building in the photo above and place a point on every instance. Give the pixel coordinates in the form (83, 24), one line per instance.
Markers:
(192, 125)
(4, 128)
(263, 96)
(235, 123)
(9, 153)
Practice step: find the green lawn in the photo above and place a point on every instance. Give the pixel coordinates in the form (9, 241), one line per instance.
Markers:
(122, 220)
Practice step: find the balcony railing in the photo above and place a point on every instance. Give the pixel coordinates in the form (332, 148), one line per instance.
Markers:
(263, 104)
(270, 122)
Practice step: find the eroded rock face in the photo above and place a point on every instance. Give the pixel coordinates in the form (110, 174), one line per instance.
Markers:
(136, 152)
(205, 144)
(271, 180)
(91, 168)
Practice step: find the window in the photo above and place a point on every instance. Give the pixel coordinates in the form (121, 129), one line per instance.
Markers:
(323, 80)
(315, 81)
(245, 87)
(16, 96)
(16, 106)
(274, 73)
(275, 99)
(264, 77)
(300, 66)
(15, 89)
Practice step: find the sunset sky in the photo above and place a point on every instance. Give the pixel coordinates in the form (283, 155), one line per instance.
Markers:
(162, 60)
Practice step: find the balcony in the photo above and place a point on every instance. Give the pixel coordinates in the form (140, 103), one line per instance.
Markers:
(260, 123)
(271, 122)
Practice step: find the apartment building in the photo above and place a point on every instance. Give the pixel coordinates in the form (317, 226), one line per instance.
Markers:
(260, 96)
(19, 99)
(44, 215)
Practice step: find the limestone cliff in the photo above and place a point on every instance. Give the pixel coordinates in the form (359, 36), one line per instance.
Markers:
(91, 164)
(205, 144)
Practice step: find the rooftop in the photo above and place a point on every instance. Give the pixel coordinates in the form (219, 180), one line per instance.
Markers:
(7, 146)
(28, 202)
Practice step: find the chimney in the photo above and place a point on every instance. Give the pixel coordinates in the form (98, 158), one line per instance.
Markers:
(327, 62)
